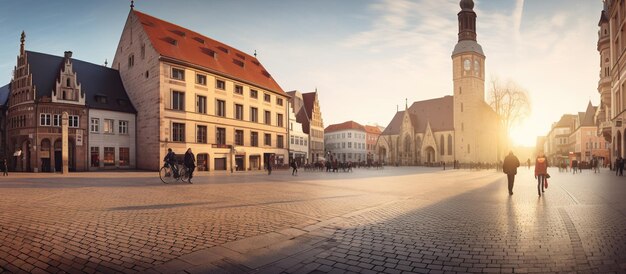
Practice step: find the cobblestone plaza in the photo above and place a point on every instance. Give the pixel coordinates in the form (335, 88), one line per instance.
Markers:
(396, 220)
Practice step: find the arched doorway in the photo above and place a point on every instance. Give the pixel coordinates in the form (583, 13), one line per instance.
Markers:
(382, 155)
(44, 154)
(24, 160)
(58, 155)
(430, 154)
(619, 144)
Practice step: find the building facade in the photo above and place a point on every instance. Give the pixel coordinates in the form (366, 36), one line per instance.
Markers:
(307, 110)
(191, 91)
(111, 139)
(44, 89)
(298, 140)
(371, 138)
(346, 142)
(557, 142)
(452, 128)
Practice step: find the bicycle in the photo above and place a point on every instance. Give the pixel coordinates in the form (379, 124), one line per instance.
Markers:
(169, 175)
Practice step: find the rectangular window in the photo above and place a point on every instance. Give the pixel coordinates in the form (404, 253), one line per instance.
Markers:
(220, 136)
(95, 125)
(107, 126)
(267, 118)
(178, 74)
(267, 98)
(279, 120)
(349, 135)
(178, 100)
(239, 89)
(238, 112)
(95, 156)
(45, 119)
(254, 115)
(122, 127)
(254, 139)
(73, 121)
(124, 156)
(201, 134)
(279, 101)
(201, 104)
(349, 144)
(109, 156)
(254, 94)
(268, 139)
(291, 139)
(220, 108)
(220, 84)
(56, 120)
(279, 141)
(239, 137)
(201, 79)
(178, 132)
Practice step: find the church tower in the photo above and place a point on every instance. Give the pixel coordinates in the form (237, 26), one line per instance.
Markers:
(468, 64)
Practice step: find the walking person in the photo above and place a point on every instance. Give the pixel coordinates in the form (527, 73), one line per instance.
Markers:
(511, 163)
(541, 171)
(616, 164)
(269, 164)
(528, 163)
(190, 163)
(620, 166)
(5, 167)
(574, 166)
(294, 166)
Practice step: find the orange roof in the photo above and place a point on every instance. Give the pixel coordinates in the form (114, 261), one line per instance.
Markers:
(182, 44)
(344, 126)
(372, 130)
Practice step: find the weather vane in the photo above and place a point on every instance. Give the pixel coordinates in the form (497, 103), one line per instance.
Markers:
(132, 4)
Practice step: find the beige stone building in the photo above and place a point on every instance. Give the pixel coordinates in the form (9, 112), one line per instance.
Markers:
(191, 91)
(461, 127)
(308, 112)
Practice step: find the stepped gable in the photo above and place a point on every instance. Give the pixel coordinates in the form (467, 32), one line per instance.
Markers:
(185, 45)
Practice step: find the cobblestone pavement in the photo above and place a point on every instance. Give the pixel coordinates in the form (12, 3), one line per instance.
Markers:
(396, 220)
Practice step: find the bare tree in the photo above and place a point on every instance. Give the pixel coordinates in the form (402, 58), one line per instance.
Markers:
(510, 101)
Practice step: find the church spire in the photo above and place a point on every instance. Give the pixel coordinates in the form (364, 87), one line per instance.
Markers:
(467, 21)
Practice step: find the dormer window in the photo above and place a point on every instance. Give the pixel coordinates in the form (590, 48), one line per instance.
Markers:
(101, 99)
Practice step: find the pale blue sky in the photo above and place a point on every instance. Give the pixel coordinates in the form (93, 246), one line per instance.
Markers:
(364, 57)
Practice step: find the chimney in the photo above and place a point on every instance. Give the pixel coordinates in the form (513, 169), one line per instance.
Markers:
(68, 54)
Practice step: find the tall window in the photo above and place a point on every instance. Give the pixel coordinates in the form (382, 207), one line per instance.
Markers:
(220, 84)
(109, 156)
(238, 112)
(279, 101)
(107, 126)
(178, 100)
(220, 136)
(122, 127)
(178, 132)
(254, 114)
(124, 156)
(254, 139)
(279, 141)
(201, 104)
(254, 94)
(279, 120)
(267, 98)
(73, 121)
(239, 89)
(449, 144)
(239, 137)
(201, 79)
(267, 118)
(201, 134)
(220, 108)
(441, 146)
(56, 120)
(178, 74)
(44, 119)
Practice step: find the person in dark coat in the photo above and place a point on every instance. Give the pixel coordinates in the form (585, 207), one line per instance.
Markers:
(294, 167)
(511, 163)
(541, 172)
(190, 163)
(5, 167)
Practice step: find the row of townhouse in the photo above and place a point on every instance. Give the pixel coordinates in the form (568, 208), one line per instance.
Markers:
(168, 87)
(351, 142)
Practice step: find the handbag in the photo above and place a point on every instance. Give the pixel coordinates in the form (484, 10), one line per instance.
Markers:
(547, 176)
(545, 183)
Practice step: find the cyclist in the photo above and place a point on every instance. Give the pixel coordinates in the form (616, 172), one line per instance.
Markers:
(170, 159)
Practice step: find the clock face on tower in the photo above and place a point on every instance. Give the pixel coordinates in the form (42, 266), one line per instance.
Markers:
(467, 64)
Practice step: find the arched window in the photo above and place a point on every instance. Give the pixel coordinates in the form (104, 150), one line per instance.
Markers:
(441, 145)
(407, 144)
(449, 144)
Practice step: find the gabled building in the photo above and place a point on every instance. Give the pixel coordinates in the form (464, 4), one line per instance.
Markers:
(585, 143)
(194, 92)
(557, 144)
(307, 109)
(298, 140)
(346, 142)
(44, 88)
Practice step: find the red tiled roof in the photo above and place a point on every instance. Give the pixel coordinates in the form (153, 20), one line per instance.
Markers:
(191, 47)
(344, 126)
(372, 129)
